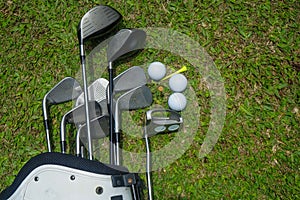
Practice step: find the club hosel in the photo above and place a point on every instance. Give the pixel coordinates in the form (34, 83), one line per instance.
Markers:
(82, 54)
(118, 136)
(63, 134)
(110, 66)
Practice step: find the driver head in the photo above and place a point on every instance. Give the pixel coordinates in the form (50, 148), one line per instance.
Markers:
(97, 22)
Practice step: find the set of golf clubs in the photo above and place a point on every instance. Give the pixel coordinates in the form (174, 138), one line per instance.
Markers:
(98, 107)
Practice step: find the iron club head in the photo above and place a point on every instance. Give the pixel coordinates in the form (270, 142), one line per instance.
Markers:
(66, 90)
(77, 116)
(125, 41)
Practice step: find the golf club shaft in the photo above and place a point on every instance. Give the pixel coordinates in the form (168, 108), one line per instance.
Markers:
(148, 167)
(111, 117)
(47, 129)
(117, 148)
(86, 99)
(63, 144)
(46, 124)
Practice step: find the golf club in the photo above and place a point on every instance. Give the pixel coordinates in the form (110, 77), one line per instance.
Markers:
(134, 99)
(77, 116)
(122, 82)
(95, 22)
(129, 79)
(66, 90)
(158, 121)
(99, 130)
(125, 41)
(97, 91)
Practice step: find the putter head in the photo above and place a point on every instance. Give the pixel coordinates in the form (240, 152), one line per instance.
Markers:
(98, 21)
(66, 90)
(97, 91)
(162, 121)
(124, 81)
(125, 41)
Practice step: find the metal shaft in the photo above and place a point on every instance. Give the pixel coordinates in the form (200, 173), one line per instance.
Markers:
(111, 117)
(148, 167)
(48, 139)
(86, 99)
(46, 124)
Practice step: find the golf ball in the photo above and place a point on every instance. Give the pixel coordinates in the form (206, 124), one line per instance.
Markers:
(178, 83)
(177, 101)
(157, 71)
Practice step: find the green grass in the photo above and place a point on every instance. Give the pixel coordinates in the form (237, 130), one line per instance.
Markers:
(255, 46)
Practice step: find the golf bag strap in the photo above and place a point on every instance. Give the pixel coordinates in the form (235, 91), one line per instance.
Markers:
(65, 160)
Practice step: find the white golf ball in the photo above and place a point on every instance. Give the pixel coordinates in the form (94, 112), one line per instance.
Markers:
(177, 101)
(178, 83)
(157, 71)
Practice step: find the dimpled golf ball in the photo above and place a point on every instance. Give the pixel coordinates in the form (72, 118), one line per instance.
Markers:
(178, 83)
(177, 101)
(157, 71)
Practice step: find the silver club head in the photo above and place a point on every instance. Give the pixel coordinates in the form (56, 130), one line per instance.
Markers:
(66, 90)
(125, 41)
(99, 130)
(129, 79)
(97, 91)
(77, 116)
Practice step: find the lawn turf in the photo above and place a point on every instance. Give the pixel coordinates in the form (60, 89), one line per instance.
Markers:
(255, 46)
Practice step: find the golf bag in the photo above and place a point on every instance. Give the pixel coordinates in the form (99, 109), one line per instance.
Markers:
(62, 176)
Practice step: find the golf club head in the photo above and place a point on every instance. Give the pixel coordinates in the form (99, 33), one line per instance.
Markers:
(162, 121)
(98, 21)
(129, 79)
(66, 90)
(137, 98)
(99, 130)
(77, 116)
(97, 91)
(125, 41)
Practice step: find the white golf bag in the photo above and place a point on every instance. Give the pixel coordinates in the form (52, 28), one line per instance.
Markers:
(56, 176)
